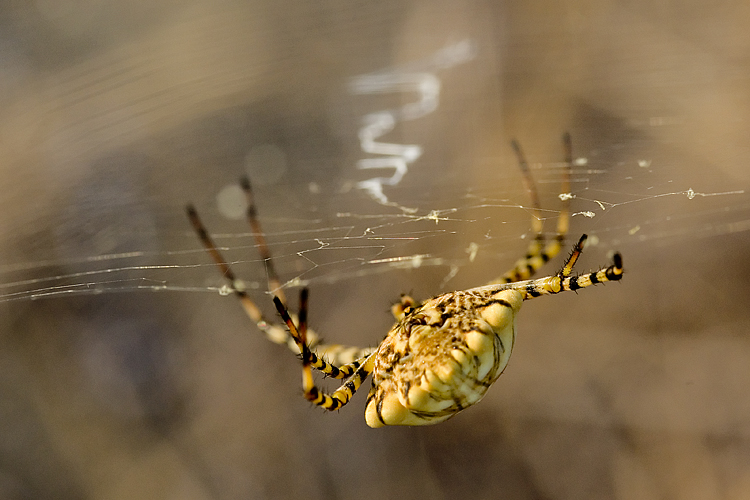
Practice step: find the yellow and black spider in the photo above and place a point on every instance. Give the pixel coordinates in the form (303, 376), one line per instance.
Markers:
(442, 354)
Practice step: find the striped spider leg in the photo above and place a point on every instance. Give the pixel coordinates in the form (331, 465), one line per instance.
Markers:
(276, 333)
(540, 251)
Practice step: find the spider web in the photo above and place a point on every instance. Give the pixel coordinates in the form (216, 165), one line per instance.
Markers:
(441, 232)
(334, 253)
(397, 207)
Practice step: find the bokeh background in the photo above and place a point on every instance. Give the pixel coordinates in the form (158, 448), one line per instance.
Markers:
(132, 378)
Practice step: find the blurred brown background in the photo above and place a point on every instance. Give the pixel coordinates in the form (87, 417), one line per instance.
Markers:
(113, 115)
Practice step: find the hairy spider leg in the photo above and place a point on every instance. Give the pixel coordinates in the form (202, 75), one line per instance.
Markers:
(563, 281)
(539, 253)
(567, 268)
(340, 354)
(277, 334)
(273, 332)
(343, 371)
(302, 332)
(356, 371)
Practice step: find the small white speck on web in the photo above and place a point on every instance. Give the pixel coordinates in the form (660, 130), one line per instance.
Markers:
(644, 163)
(588, 214)
(634, 230)
(434, 215)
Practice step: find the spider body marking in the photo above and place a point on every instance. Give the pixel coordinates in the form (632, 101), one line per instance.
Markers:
(443, 354)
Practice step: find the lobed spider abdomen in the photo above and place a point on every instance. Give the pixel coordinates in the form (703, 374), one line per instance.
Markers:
(442, 357)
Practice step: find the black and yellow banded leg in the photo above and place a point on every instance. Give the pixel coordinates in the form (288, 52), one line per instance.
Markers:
(611, 273)
(563, 281)
(343, 394)
(275, 333)
(236, 285)
(573, 258)
(357, 371)
(300, 335)
(526, 266)
(539, 253)
(299, 332)
(400, 308)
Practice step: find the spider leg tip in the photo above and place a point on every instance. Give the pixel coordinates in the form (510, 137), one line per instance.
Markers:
(279, 305)
(618, 260)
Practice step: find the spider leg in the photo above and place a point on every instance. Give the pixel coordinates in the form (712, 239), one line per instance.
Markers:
(573, 258)
(539, 253)
(299, 335)
(563, 281)
(342, 354)
(274, 285)
(343, 394)
(302, 317)
(400, 308)
(275, 333)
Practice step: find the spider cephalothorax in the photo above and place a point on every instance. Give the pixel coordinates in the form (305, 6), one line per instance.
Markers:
(443, 354)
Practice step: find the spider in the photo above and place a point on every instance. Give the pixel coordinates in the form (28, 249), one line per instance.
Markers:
(441, 355)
